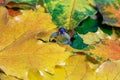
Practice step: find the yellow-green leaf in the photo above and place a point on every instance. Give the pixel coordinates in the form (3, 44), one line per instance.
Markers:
(68, 13)
(92, 38)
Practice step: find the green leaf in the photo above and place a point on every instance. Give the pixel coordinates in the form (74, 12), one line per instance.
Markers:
(88, 25)
(68, 13)
(106, 29)
(78, 42)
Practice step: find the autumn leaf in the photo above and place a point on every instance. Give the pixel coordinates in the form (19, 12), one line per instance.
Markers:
(25, 23)
(92, 31)
(26, 52)
(108, 71)
(82, 40)
(79, 69)
(110, 11)
(17, 59)
(21, 51)
(75, 68)
(68, 14)
(107, 49)
(93, 38)
(17, 40)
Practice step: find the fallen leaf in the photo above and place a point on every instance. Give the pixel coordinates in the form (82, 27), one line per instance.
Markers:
(25, 23)
(88, 25)
(93, 38)
(76, 68)
(110, 11)
(20, 51)
(78, 42)
(107, 49)
(21, 57)
(68, 14)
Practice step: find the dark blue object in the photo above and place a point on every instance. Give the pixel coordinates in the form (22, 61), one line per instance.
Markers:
(62, 30)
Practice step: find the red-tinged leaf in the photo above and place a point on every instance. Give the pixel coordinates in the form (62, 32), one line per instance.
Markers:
(106, 49)
(110, 10)
(14, 13)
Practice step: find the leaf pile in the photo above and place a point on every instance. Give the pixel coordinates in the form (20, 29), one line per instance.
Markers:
(26, 52)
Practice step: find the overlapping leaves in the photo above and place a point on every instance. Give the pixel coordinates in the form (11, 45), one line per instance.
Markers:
(107, 49)
(21, 52)
(26, 53)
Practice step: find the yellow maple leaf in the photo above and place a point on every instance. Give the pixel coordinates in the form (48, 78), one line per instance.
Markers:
(29, 53)
(20, 51)
(76, 68)
(29, 21)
